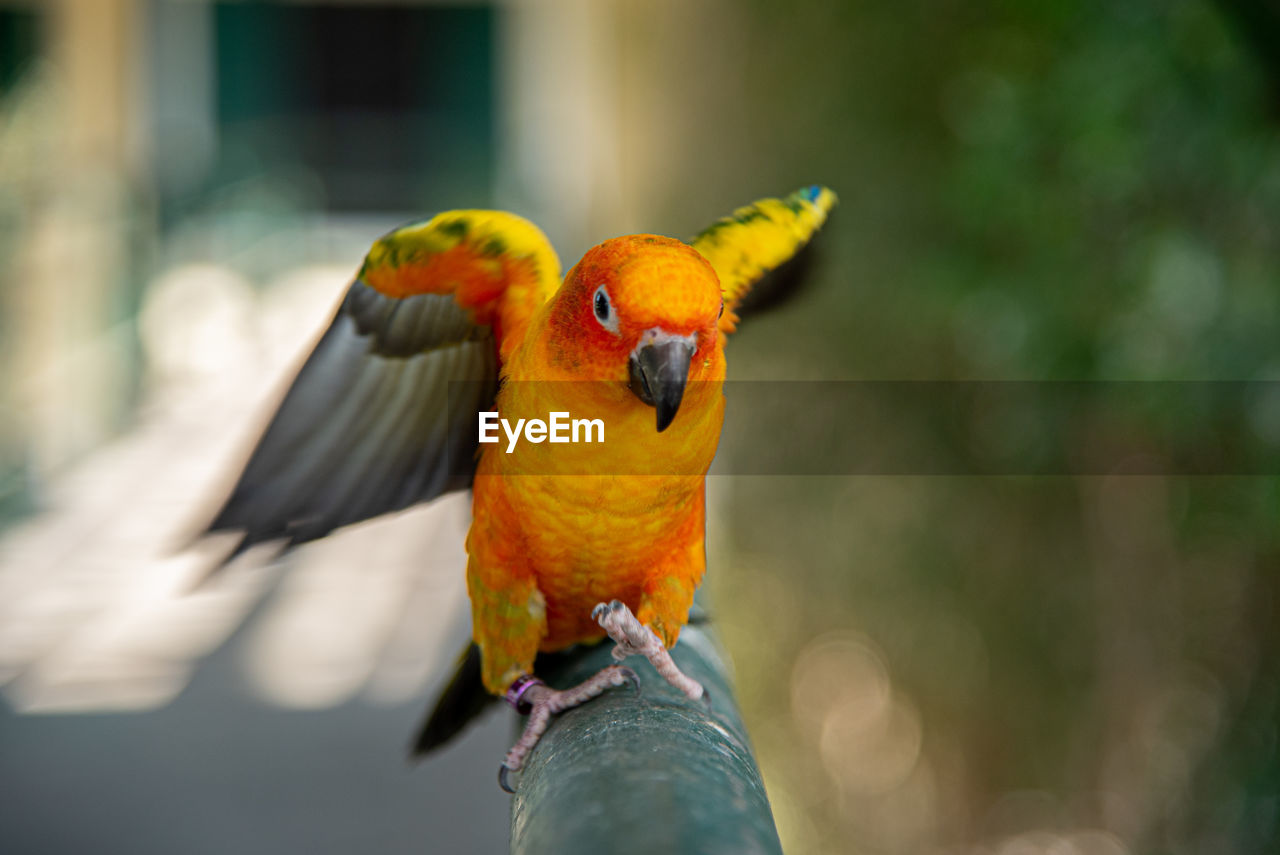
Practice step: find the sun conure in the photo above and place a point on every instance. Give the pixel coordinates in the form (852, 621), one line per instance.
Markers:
(466, 313)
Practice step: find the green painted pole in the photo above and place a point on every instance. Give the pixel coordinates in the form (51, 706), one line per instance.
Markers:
(644, 774)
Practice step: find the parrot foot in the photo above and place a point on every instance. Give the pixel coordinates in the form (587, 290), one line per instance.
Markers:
(633, 638)
(540, 702)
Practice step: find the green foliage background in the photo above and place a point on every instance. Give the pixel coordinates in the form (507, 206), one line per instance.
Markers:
(1032, 191)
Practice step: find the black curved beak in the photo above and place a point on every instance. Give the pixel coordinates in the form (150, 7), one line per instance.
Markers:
(659, 372)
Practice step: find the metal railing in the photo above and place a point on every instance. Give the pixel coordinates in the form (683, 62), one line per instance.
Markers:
(644, 774)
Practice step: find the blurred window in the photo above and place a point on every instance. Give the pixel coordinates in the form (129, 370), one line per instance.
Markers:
(389, 106)
(19, 42)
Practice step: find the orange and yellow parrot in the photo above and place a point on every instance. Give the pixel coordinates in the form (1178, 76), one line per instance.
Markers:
(466, 313)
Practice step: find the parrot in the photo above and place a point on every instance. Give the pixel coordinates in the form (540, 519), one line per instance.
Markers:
(569, 543)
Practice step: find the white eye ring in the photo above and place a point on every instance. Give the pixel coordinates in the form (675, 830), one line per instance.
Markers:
(602, 307)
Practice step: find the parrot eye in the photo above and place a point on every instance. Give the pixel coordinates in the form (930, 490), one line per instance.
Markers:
(604, 310)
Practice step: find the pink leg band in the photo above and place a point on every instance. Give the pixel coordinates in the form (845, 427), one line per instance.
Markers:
(515, 692)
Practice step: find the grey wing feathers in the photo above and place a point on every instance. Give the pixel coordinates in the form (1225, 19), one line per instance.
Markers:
(381, 416)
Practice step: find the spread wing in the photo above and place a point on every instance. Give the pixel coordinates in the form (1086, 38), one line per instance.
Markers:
(759, 237)
(382, 414)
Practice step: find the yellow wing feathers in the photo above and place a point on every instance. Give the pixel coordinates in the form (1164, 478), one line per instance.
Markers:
(499, 266)
(754, 239)
(369, 424)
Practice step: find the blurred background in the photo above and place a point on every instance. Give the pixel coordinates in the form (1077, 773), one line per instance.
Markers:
(1066, 664)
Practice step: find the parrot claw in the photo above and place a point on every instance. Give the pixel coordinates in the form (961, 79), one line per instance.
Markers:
(543, 702)
(632, 677)
(632, 638)
(504, 781)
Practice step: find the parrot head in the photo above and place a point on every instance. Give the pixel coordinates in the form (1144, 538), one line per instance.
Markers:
(642, 310)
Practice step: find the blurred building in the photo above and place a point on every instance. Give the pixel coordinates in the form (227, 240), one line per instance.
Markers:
(146, 133)
(185, 188)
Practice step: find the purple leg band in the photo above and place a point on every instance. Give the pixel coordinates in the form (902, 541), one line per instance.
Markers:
(515, 692)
